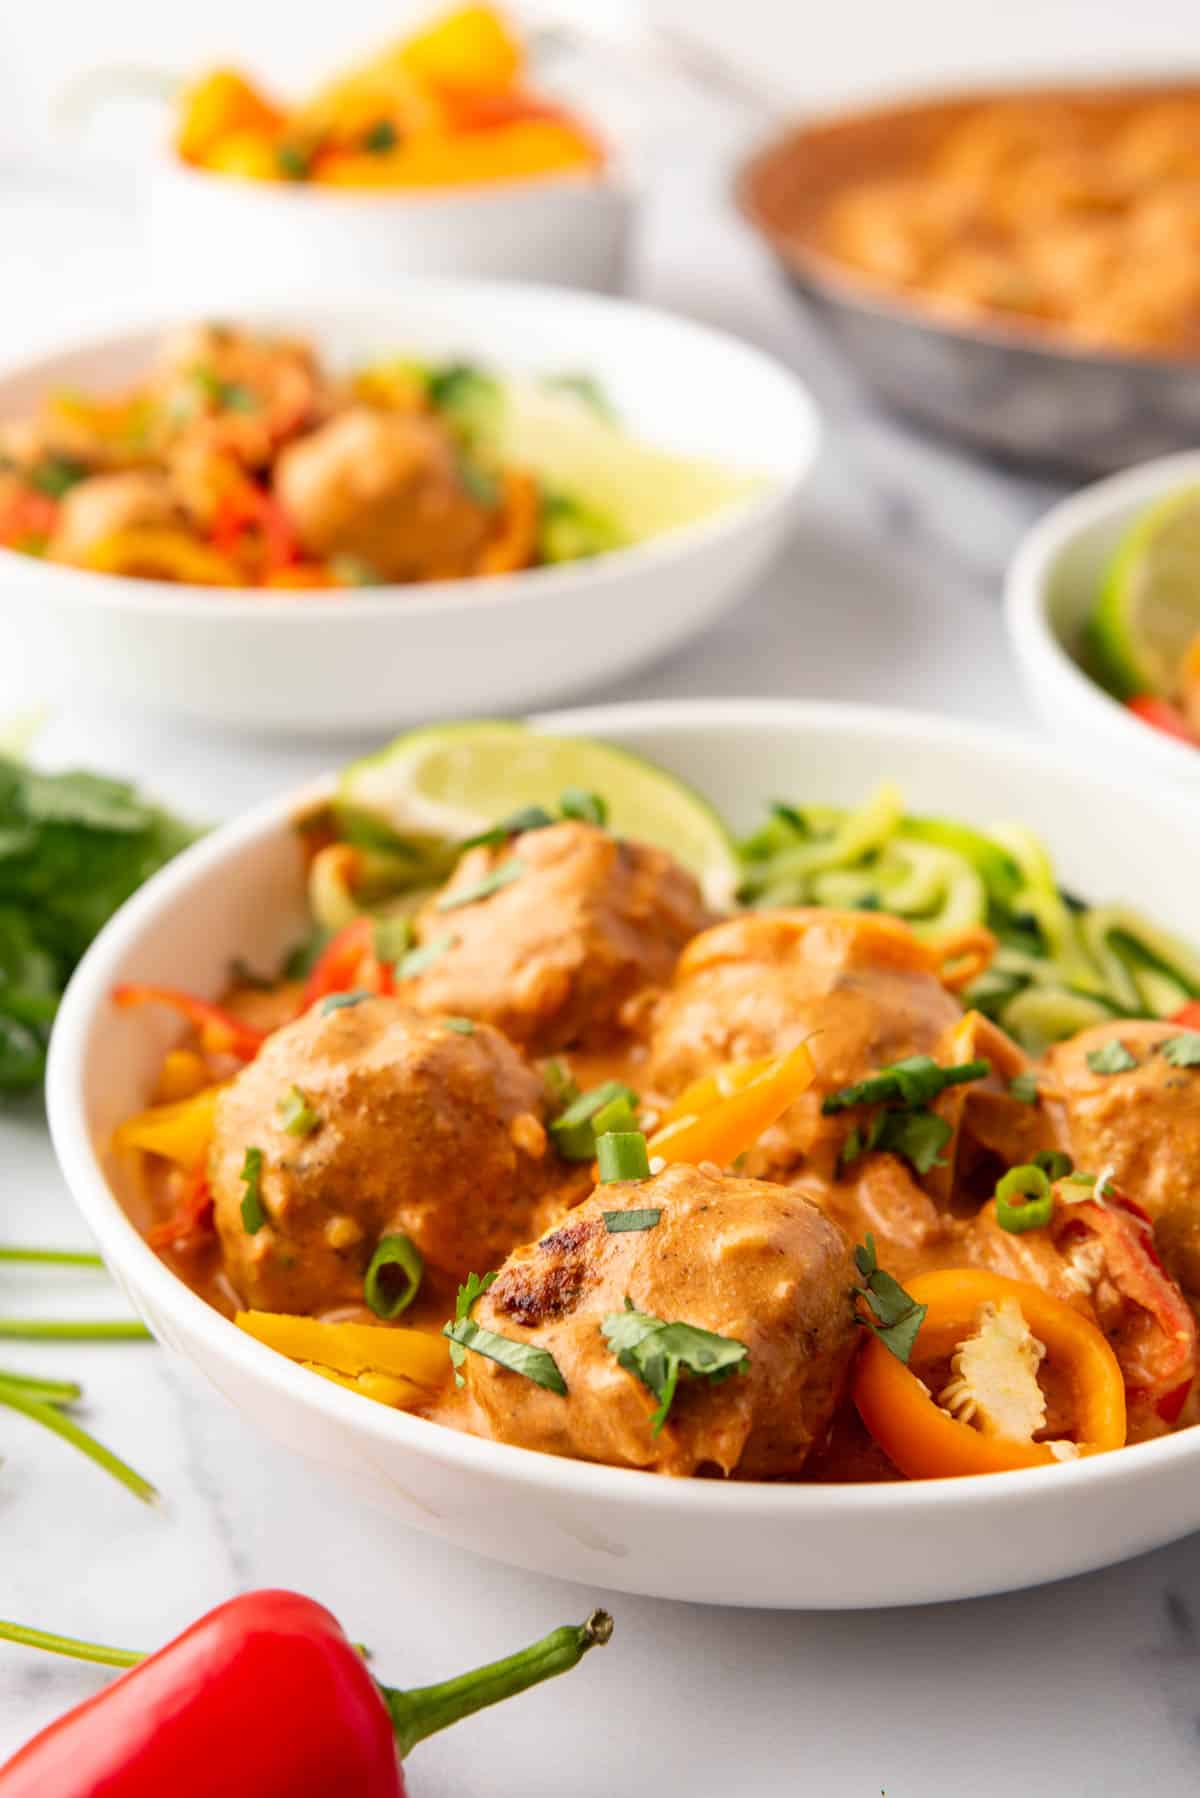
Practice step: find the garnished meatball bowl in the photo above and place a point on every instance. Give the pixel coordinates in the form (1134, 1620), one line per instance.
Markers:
(657, 1235)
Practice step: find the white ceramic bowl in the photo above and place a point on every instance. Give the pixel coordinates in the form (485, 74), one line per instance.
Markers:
(795, 1546)
(372, 659)
(571, 230)
(1052, 584)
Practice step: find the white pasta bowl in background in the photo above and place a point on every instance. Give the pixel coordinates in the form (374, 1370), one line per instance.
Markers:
(372, 658)
(241, 892)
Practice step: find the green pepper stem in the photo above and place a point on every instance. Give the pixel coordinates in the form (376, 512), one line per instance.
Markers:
(426, 1709)
(55, 1257)
(46, 1329)
(19, 1398)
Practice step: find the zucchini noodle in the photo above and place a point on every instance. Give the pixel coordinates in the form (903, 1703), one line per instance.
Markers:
(1060, 965)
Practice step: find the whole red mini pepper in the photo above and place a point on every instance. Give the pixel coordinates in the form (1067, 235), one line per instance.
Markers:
(265, 1697)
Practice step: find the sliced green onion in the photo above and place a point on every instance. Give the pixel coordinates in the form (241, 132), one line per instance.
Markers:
(296, 1115)
(530, 817)
(380, 138)
(1024, 1087)
(53, 1392)
(1056, 1164)
(1024, 1200)
(572, 1131)
(464, 1026)
(253, 1215)
(617, 1117)
(621, 1155)
(394, 1277)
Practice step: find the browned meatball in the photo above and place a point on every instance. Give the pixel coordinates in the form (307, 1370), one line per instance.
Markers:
(1141, 1125)
(421, 1129)
(384, 487)
(744, 1260)
(554, 957)
(862, 987)
(105, 503)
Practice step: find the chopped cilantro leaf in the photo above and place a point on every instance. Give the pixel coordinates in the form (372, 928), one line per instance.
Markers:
(500, 877)
(1024, 1087)
(897, 1318)
(1111, 1058)
(914, 1081)
(617, 1222)
(526, 1358)
(1183, 1051)
(657, 1353)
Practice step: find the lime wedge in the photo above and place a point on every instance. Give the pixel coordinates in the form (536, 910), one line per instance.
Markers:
(1149, 606)
(576, 451)
(455, 779)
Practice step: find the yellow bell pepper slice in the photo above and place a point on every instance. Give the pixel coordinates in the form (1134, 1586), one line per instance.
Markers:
(161, 554)
(181, 1131)
(247, 154)
(721, 1116)
(351, 1349)
(384, 1388)
(470, 47)
(220, 102)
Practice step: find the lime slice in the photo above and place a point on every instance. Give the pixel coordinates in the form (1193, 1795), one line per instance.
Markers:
(455, 779)
(576, 451)
(1149, 607)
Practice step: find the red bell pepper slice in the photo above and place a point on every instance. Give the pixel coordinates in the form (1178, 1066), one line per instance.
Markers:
(220, 1032)
(248, 508)
(1188, 1015)
(191, 1222)
(1161, 715)
(27, 516)
(1156, 1342)
(349, 961)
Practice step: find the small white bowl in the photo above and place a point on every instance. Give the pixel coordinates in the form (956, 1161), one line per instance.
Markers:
(373, 659)
(240, 892)
(1053, 583)
(570, 230)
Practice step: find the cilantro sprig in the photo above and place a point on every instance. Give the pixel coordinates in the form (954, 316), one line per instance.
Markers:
(895, 1317)
(905, 1126)
(657, 1353)
(526, 1358)
(912, 1082)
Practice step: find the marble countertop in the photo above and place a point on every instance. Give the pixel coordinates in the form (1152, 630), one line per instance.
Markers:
(889, 593)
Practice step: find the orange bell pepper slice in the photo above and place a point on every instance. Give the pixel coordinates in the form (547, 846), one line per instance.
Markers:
(924, 1441)
(722, 1115)
(220, 1032)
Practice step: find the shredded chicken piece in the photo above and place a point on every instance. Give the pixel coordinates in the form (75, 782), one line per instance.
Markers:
(1083, 1266)
(995, 1385)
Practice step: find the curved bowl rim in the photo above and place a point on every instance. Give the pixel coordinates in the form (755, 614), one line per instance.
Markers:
(615, 180)
(842, 285)
(1036, 643)
(722, 1501)
(123, 593)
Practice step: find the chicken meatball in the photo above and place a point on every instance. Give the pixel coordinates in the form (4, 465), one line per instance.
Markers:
(862, 987)
(384, 487)
(105, 503)
(1141, 1125)
(419, 1128)
(556, 956)
(752, 1263)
